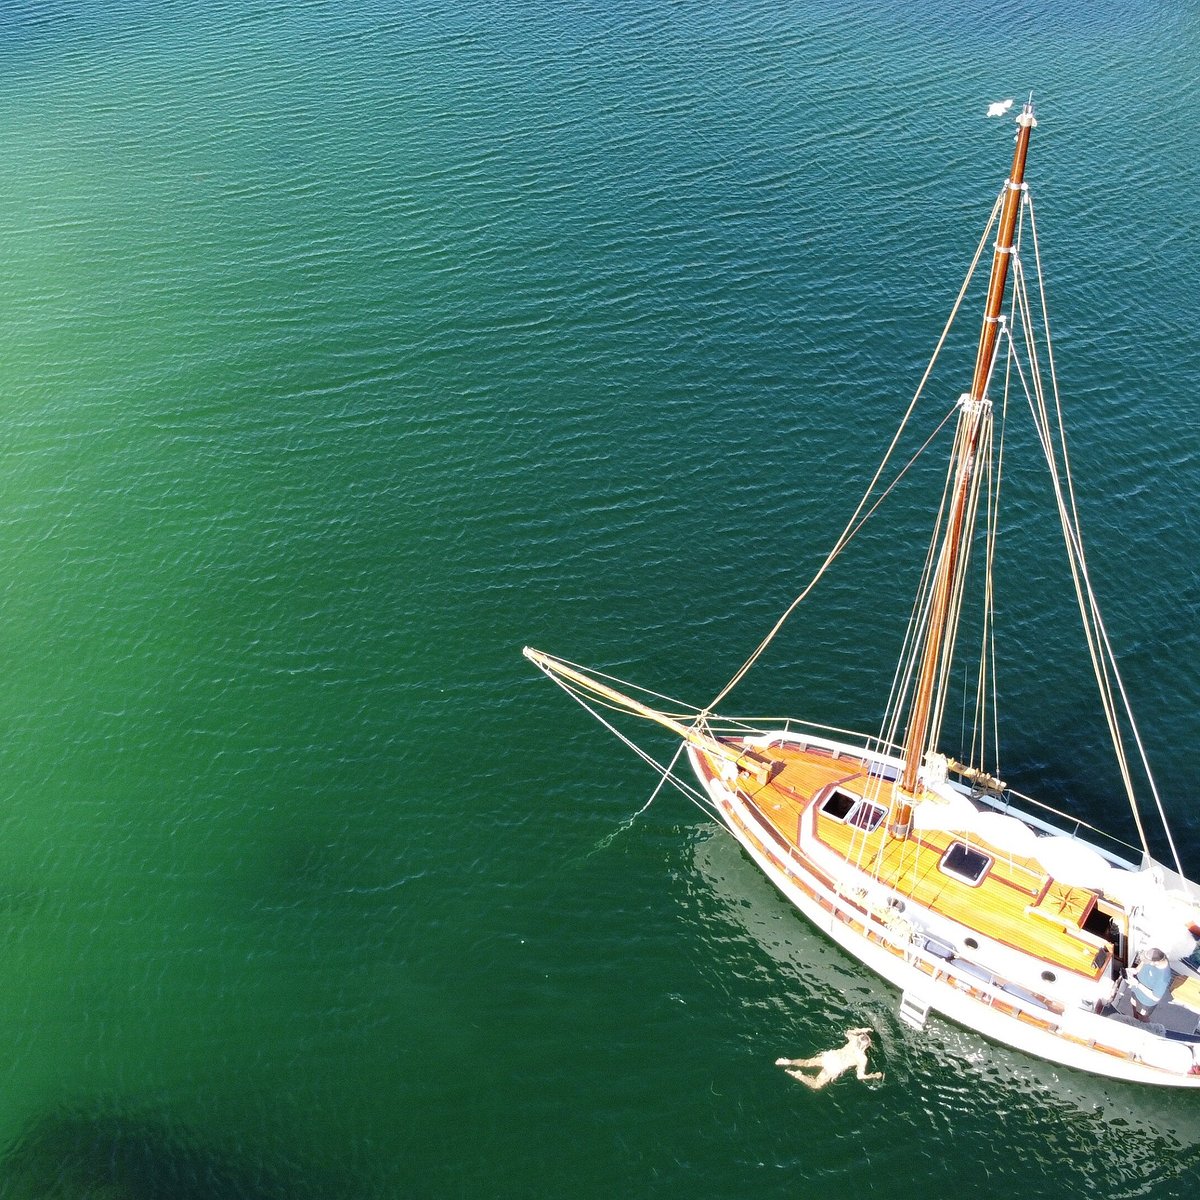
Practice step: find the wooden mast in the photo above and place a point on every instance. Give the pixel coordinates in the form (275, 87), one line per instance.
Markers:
(976, 412)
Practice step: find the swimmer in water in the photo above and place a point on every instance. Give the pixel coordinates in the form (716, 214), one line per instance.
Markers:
(833, 1063)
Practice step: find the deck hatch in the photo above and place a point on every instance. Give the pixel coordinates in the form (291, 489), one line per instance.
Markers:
(962, 863)
(850, 809)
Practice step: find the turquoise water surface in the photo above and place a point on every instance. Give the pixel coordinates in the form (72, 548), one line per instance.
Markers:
(347, 348)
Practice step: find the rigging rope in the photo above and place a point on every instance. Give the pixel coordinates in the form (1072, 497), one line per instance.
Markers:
(855, 523)
(906, 664)
(1086, 601)
(666, 773)
(1072, 529)
(1052, 437)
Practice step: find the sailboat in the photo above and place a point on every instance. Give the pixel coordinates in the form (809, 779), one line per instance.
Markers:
(975, 901)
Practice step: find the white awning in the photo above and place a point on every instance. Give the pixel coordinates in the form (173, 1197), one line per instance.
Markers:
(1006, 834)
(952, 816)
(1073, 862)
(1136, 888)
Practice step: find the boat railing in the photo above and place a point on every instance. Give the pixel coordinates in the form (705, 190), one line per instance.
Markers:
(794, 727)
(942, 961)
(1051, 820)
(1116, 849)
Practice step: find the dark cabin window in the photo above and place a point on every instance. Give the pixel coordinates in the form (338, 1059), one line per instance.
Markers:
(961, 862)
(867, 816)
(838, 805)
(853, 810)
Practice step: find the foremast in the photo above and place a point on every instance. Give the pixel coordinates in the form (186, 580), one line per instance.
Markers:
(975, 417)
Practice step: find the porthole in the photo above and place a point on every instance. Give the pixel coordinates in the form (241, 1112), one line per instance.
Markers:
(971, 943)
(1049, 976)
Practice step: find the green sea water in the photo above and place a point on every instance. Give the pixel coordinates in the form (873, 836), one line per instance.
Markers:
(347, 348)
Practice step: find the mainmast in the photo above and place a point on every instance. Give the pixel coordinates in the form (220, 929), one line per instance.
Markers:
(974, 417)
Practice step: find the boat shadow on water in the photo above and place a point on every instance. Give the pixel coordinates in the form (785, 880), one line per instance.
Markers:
(1119, 1129)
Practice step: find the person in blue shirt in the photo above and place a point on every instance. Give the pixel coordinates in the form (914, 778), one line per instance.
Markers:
(1148, 982)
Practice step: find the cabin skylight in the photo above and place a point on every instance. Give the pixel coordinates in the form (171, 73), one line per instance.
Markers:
(963, 863)
(850, 809)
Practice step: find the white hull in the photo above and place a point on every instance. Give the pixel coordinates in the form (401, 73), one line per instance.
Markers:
(1075, 1037)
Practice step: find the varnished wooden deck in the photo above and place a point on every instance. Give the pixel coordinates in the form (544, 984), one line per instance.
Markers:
(1016, 904)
